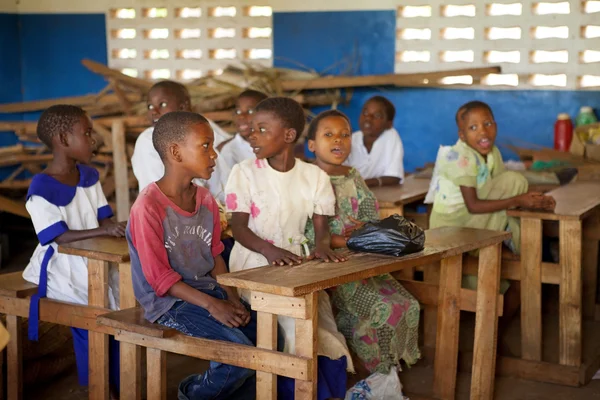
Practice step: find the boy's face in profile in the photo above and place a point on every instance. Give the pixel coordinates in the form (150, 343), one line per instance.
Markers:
(79, 144)
(477, 129)
(161, 101)
(373, 119)
(242, 115)
(197, 153)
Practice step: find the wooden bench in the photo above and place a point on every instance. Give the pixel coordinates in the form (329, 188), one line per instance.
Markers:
(392, 199)
(292, 291)
(578, 215)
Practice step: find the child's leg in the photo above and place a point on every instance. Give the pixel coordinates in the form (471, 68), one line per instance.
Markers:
(220, 381)
(80, 344)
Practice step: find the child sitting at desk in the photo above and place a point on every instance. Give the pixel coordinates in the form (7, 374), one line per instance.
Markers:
(378, 317)
(66, 204)
(271, 198)
(377, 151)
(165, 97)
(174, 243)
(238, 149)
(471, 187)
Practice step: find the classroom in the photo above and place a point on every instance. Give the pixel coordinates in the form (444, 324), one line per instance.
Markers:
(269, 199)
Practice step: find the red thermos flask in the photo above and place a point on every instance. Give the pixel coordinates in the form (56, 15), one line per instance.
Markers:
(563, 132)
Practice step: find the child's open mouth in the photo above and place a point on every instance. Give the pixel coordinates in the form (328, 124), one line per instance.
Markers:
(485, 143)
(256, 149)
(337, 151)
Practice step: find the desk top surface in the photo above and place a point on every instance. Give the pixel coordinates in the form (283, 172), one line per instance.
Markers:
(316, 275)
(104, 248)
(573, 202)
(412, 189)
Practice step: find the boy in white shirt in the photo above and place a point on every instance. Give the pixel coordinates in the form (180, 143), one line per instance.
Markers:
(164, 97)
(66, 204)
(238, 149)
(377, 152)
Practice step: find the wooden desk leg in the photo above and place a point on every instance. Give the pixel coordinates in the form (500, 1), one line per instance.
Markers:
(306, 346)
(14, 357)
(590, 264)
(156, 366)
(266, 338)
(531, 289)
(98, 342)
(131, 355)
(431, 274)
(387, 211)
(486, 323)
(446, 346)
(570, 293)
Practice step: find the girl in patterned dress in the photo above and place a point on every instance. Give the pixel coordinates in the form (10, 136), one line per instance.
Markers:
(378, 317)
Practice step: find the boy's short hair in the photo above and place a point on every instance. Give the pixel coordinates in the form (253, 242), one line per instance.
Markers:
(57, 119)
(466, 108)
(288, 110)
(180, 91)
(172, 128)
(390, 110)
(314, 124)
(253, 94)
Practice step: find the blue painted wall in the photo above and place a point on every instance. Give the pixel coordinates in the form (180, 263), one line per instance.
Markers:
(424, 117)
(10, 68)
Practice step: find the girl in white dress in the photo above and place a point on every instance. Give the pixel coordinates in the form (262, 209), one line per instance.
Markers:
(271, 199)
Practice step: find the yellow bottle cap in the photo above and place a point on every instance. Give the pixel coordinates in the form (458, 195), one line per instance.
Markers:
(563, 116)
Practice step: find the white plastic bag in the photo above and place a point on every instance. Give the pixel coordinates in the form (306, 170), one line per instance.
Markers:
(377, 387)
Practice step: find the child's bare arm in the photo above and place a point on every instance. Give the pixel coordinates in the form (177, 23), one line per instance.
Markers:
(385, 181)
(338, 242)
(323, 240)
(106, 229)
(248, 239)
(527, 200)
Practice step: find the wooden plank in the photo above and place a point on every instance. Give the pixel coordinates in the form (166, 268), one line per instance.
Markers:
(589, 276)
(306, 346)
(389, 209)
(294, 307)
(570, 293)
(14, 357)
(156, 365)
(315, 275)
(411, 190)
(130, 354)
(17, 159)
(120, 171)
(446, 349)
(486, 323)
(98, 342)
(573, 202)
(81, 101)
(405, 80)
(116, 75)
(103, 248)
(225, 352)
(13, 285)
(431, 274)
(266, 383)
(511, 269)
(531, 293)
(428, 293)
(132, 320)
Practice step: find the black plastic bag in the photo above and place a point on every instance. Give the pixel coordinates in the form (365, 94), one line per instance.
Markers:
(393, 236)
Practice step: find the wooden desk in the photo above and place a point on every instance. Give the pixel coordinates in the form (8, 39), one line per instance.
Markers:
(576, 203)
(393, 198)
(292, 291)
(100, 252)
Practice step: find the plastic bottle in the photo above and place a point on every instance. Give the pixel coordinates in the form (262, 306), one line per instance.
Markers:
(586, 116)
(563, 132)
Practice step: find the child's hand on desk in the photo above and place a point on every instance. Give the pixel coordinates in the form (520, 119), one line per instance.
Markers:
(228, 313)
(116, 229)
(536, 201)
(277, 256)
(326, 254)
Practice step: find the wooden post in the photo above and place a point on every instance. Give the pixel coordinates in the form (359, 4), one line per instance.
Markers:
(446, 349)
(98, 342)
(306, 346)
(570, 293)
(531, 289)
(131, 355)
(156, 361)
(431, 274)
(266, 338)
(590, 264)
(120, 170)
(486, 323)
(14, 356)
